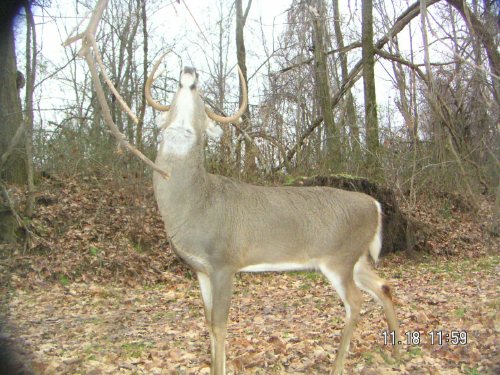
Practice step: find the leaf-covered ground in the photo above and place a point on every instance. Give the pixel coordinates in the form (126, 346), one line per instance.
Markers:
(100, 293)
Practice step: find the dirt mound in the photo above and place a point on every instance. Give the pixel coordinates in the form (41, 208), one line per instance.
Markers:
(442, 223)
(109, 230)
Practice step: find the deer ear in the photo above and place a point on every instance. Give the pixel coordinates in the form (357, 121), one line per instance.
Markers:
(214, 131)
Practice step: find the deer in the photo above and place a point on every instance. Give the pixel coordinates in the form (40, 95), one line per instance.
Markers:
(220, 226)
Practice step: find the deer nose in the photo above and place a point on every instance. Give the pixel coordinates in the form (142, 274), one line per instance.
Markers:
(189, 70)
(189, 78)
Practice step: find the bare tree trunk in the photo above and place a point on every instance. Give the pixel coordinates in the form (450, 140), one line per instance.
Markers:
(226, 155)
(371, 121)
(322, 78)
(250, 166)
(350, 109)
(413, 132)
(12, 164)
(31, 52)
(129, 71)
(142, 109)
(10, 108)
(423, 16)
(117, 66)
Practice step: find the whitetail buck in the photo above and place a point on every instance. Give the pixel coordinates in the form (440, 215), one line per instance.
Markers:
(220, 226)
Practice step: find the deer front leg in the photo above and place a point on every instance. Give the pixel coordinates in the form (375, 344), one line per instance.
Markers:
(206, 295)
(216, 290)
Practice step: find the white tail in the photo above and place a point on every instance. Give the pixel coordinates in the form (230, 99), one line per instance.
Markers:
(220, 226)
(376, 244)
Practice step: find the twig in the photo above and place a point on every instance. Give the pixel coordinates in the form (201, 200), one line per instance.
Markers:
(89, 44)
(196, 22)
(13, 143)
(354, 74)
(110, 84)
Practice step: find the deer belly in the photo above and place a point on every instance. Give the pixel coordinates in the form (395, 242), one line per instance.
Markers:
(281, 267)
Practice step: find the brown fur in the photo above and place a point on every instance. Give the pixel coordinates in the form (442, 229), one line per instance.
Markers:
(219, 226)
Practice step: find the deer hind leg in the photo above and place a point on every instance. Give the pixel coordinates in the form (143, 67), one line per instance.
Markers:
(366, 279)
(343, 282)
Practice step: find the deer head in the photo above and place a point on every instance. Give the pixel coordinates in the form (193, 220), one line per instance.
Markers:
(188, 118)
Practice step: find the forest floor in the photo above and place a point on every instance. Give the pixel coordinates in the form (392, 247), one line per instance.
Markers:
(99, 292)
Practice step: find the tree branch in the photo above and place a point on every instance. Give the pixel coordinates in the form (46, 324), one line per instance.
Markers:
(89, 44)
(399, 59)
(354, 74)
(13, 143)
(331, 52)
(247, 10)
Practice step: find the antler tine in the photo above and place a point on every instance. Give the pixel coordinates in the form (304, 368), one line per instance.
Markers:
(89, 44)
(241, 110)
(112, 87)
(149, 82)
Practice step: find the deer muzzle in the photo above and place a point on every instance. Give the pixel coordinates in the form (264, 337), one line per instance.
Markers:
(189, 78)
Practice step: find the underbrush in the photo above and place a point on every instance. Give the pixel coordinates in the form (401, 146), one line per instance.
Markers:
(100, 291)
(103, 229)
(93, 229)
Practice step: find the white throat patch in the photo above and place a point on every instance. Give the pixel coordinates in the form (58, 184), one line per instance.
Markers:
(179, 137)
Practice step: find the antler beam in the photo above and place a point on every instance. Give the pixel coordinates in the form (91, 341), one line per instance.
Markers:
(88, 46)
(222, 119)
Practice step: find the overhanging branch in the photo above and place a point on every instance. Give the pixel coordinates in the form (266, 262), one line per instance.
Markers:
(354, 74)
(88, 46)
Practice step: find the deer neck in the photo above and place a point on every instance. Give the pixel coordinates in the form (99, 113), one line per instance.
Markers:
(184, 190)
(185, 172)
(181, 147)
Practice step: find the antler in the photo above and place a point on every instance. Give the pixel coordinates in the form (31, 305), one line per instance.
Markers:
(149, 83)
(241, 110)
(212, 115)
(89, 45)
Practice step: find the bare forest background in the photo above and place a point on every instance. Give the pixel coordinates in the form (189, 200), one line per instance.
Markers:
(434, 123)
(401, 97)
